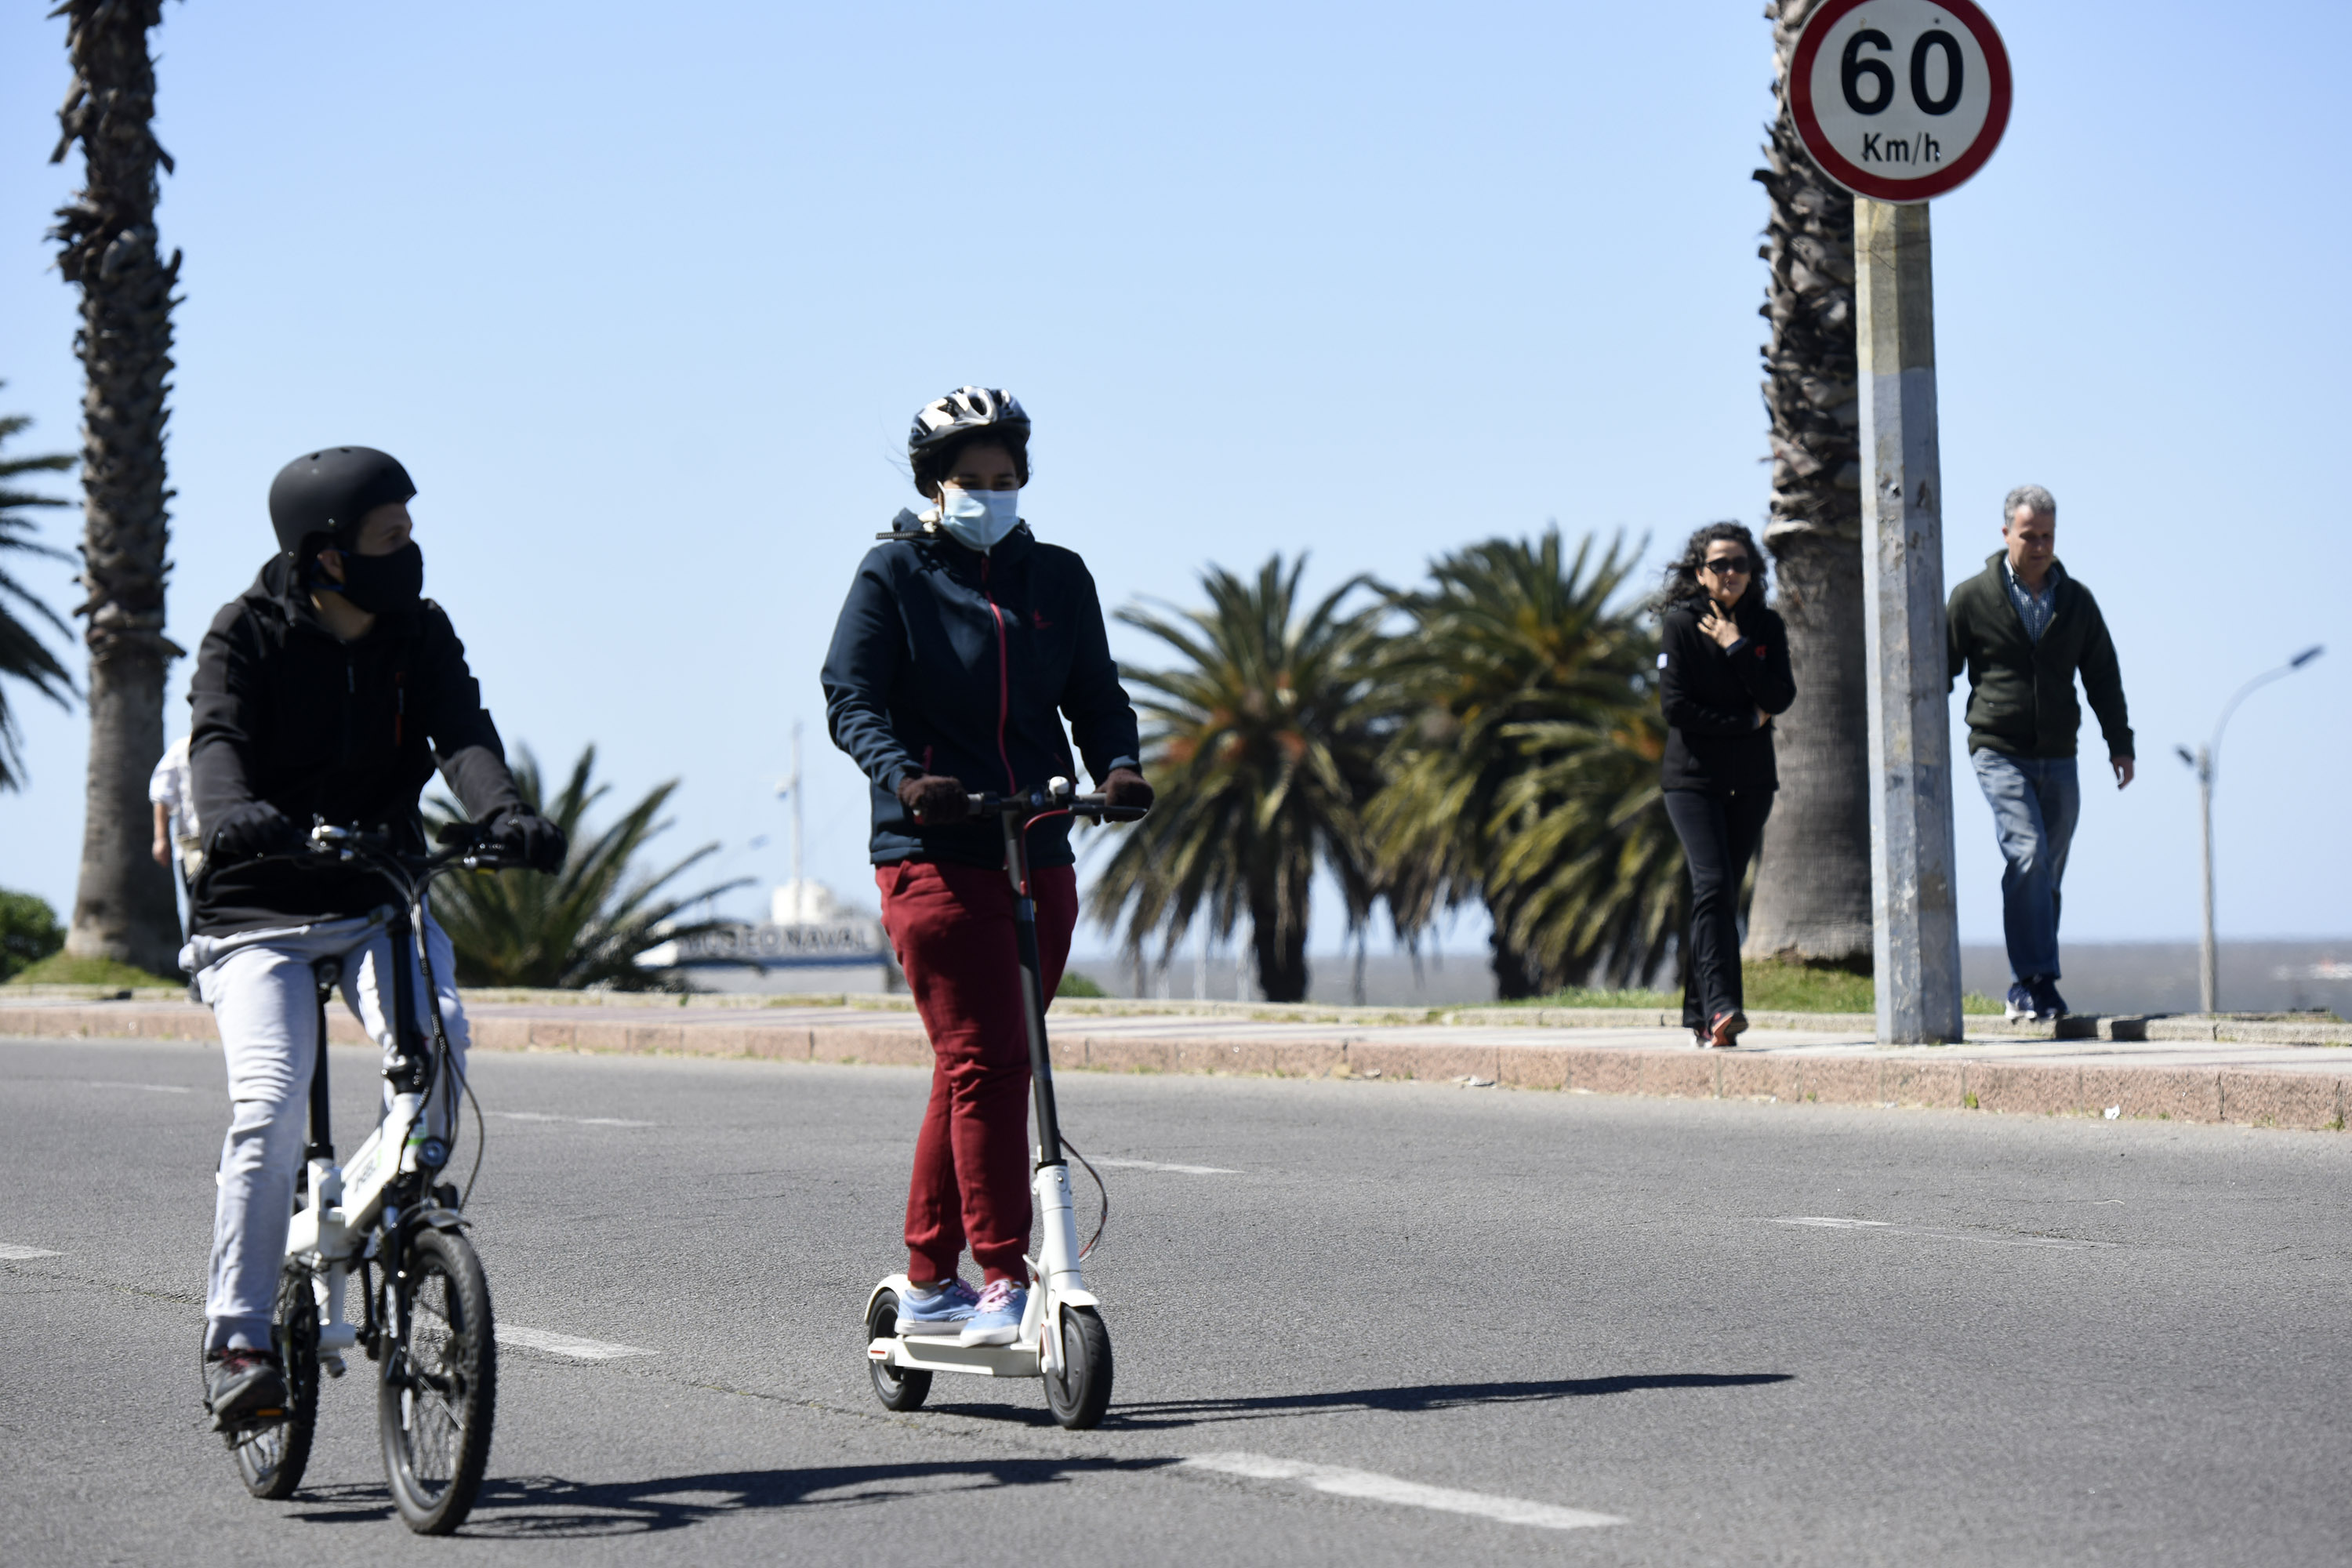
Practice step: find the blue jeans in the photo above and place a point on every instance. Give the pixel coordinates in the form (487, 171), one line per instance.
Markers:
(2035, 802)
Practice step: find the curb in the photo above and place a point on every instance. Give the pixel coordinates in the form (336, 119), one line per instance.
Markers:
(2311, 1101)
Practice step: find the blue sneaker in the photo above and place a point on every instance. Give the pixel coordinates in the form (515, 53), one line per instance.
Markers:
(2048, 1005)
(997, 1319)
(2019, 1007)
(939, 1311)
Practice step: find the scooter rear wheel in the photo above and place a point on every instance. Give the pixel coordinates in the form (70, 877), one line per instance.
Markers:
(1080, 1392)
(898, 1388)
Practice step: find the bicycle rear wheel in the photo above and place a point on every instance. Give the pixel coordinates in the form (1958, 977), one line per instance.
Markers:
(439, 1393)
(271, 1457)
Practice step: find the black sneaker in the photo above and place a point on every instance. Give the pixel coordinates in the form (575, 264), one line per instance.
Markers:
(2048, 1005)
(242, 1386)
(2018, 1008)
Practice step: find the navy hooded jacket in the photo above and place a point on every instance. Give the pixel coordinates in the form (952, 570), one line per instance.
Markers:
(951, 662)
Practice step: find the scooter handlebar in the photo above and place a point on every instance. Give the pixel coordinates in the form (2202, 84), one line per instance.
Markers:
(1057, 795)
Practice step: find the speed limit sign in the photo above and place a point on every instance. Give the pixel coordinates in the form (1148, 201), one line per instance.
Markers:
(1899, 100)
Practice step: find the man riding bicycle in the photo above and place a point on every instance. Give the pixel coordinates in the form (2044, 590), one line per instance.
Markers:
(329, 690)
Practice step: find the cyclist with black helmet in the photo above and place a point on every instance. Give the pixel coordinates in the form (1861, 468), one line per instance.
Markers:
(965, 644)
(329, 690)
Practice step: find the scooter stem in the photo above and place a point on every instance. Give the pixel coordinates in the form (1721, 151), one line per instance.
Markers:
(1033, 993)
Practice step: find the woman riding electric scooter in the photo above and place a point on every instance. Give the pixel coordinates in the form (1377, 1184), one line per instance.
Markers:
(964, 643)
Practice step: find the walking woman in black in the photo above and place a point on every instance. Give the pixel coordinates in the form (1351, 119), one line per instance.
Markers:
(1723, 673)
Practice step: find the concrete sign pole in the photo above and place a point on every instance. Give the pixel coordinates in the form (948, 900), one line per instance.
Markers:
(1914, 921)
(1900, 101)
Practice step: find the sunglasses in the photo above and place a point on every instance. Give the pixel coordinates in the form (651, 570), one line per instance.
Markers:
(1729, 567)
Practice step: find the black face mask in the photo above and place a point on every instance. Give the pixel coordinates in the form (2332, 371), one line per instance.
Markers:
(379, 583)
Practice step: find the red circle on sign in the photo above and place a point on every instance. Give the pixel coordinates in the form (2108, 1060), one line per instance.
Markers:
(1861, 181)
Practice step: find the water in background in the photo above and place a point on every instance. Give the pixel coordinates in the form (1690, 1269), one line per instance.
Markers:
(2101, 977)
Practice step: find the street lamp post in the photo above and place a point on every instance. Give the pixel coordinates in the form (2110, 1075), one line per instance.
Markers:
(2203, 760)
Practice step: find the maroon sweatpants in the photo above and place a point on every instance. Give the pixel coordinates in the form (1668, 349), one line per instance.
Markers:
(952, 927)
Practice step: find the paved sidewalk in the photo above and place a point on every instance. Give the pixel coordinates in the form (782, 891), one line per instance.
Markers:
(2191, 1079)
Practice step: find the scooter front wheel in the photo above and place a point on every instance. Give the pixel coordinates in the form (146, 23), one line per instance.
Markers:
(898, 1387)
(1081, 1390)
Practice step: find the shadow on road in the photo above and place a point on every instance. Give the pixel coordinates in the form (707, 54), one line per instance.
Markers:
(1421, 1398)
(548, 1508)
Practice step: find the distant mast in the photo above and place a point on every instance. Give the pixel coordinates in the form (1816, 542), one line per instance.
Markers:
(791, 789)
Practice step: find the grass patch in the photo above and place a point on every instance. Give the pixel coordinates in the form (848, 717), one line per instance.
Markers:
(1076, 985)
(62, 969)
(1771, 987)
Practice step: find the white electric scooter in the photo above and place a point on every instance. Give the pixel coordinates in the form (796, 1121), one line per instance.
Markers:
(1062, 1338)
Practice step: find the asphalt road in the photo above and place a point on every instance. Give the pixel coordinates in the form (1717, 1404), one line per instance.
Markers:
(2053, 1341)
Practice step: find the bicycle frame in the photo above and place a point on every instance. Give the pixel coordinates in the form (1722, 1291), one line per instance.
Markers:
(338, 1225)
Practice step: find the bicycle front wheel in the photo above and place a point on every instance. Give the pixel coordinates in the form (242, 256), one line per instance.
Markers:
(271, 1457)
(435, 1405)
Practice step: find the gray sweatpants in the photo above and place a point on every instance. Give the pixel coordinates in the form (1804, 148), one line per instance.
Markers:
(260, 987)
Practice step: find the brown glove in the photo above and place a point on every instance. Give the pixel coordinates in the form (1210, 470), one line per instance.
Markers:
(934, 800)
(1124, 787)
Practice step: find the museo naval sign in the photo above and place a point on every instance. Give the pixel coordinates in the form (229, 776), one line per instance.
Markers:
(1899, 101)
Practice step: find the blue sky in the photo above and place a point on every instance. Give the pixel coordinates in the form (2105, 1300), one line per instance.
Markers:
(644, 299)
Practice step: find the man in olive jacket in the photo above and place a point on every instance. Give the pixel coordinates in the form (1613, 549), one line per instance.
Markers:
(2023, 630)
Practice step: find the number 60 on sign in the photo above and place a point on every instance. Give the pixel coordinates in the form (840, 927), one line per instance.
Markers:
(1899, 100)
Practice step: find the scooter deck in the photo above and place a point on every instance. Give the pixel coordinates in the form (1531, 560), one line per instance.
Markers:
(940, 1353)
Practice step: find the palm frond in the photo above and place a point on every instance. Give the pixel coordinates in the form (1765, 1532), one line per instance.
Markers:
(586, 924)
(24, 654)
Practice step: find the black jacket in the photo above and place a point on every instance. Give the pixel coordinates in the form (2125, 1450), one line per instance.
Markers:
(2022, 692)
(286, 713)
(948, 661)
(1710, 694)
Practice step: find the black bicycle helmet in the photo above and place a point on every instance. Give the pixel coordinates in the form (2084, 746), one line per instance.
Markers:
(967, 411)
(329, 490)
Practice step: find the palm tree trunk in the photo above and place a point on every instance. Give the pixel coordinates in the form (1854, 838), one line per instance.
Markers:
(124, 908)
(1279, 906)
(1813, 889)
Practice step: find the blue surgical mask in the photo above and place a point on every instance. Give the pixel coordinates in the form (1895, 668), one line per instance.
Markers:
(979, 519)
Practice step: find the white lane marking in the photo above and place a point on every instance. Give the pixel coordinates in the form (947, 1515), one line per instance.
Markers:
(15, 1254)
(571, 1345)
(1373, 1487)
(1161, 1166)
(149, 1087)
(2055, 1243)
(575, 1120)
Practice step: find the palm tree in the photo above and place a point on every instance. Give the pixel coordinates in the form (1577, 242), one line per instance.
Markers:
(22, 654)
(584, 925)
(1587, 874)
(1514, 656)
(124, 908)
(1263, 745)
(1812, 897)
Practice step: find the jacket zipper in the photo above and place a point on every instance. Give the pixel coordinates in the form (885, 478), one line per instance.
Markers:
(1004, 678)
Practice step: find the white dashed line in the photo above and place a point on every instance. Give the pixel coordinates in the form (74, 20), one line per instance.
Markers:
(148, 1088)
(574, 1120)
(1161, 1166)
(2050, 1243)
(13, 1253)
(1373, 1487)
(571, 1345)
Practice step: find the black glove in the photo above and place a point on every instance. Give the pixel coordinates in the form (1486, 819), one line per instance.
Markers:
(933, 800)
(526, 838)
(250, 830)
(1125, 788)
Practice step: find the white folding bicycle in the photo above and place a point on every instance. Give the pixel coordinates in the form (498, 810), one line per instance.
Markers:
(1062, 1338)
(386, 1218)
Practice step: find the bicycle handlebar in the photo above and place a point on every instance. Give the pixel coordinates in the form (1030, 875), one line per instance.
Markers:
(1057, 795)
